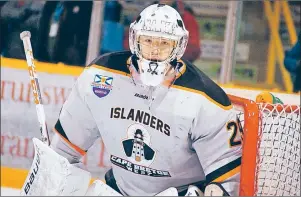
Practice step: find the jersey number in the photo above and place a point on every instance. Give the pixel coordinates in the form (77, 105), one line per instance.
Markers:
(236, 129)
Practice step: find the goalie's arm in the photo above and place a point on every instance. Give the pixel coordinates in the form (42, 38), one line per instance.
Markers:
(218, 146)
(75, 130)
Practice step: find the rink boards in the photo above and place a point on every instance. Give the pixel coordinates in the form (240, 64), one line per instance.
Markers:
(19, 121)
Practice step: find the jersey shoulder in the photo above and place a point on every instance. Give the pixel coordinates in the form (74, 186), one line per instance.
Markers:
(115, 61)
(195, 80)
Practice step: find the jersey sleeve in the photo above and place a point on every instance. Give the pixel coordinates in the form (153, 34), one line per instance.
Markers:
(217, 142)
(75, 129)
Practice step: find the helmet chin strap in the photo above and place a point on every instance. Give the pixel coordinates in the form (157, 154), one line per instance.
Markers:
(152, 73)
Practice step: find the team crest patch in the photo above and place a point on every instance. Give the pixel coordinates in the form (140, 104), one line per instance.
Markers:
(102, 85)
(137, 146)
(139, 152)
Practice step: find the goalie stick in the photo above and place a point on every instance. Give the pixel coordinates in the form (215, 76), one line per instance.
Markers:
(25, 37)
(49, 168)
(50, 172)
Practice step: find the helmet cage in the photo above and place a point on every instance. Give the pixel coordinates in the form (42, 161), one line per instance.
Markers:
(177, 33)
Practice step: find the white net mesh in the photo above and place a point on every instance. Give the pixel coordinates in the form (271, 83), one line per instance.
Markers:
(278, 154)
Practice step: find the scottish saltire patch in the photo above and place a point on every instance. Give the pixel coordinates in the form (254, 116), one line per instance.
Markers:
(102, 85)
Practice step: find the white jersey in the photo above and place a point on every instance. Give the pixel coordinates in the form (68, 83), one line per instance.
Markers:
(190, 136)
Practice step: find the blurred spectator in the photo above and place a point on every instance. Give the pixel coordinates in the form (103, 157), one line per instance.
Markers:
(63, 32)
(292, 63)
(44, 51)
(75, 32)
(3, 34)
(193, 50)
(112, 11)
(2, 3)
(67, 38)
(112, 29)
(17, 16)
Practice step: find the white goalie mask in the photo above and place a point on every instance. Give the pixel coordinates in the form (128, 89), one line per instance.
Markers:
(157, 37)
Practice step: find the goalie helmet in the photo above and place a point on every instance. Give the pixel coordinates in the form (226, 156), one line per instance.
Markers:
(157, 37)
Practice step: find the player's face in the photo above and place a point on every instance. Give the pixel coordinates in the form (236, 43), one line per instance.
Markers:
(156, 48)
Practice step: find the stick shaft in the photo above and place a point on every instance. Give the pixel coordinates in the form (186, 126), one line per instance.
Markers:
(25, 37)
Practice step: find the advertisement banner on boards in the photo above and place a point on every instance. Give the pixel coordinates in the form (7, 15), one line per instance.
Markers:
(213, 49)
(209, 8)
(19, 122)
(241, 72)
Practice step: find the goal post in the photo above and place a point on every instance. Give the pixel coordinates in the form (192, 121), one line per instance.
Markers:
(271, 148)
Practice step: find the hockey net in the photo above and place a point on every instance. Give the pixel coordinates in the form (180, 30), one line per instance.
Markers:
(271, 148)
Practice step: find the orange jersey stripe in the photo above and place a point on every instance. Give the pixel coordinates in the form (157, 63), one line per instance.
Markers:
(227, 175)
(78, 149)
